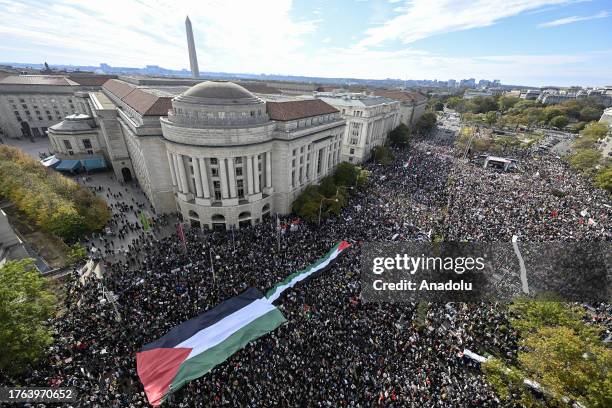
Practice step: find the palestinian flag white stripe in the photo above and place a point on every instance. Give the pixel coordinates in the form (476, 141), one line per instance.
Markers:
(218, 332)
(289, 282)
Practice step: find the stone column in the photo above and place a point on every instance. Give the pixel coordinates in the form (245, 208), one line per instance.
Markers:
(204, 174)
(171, 164)
(256, 173)
(197, 175)
(268, 169)
(325, 154)
(183, 173)
(232, 177)
(249, 169)
(223, 178)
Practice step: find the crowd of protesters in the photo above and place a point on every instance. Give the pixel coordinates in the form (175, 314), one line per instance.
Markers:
(335, 349)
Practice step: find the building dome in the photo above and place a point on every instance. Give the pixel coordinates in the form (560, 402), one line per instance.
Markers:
(220, 90)
(217, 104)
(74, 123)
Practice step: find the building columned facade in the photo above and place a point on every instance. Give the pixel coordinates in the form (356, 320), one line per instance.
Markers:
(215, 152)
(369, 119)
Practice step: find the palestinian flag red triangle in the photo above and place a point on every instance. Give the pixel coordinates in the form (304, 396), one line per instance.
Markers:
(157, 368)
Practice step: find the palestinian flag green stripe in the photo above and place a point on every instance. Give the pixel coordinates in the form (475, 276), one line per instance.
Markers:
(291, 280)
(201, 364)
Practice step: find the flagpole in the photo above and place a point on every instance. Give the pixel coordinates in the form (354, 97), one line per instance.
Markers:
(278, 232)
(212, 265)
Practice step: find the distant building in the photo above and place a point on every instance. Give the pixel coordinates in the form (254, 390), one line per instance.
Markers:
(554, 98)
(515, 93)
(369, 119)
(471, 94)
(530, 94)
(451, 83)
(467, 83)
(296, 88)
(412, 104)
(30, 104)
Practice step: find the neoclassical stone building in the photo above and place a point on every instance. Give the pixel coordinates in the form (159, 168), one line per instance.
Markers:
(233, 158)
(217, 153)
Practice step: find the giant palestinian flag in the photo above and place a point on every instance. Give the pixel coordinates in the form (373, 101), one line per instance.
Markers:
(195, 347)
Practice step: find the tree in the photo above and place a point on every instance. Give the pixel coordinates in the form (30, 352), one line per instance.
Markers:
(558, 351)
(596, 130)
(491, 118)
(603, 179)
(328, 187)
(585, 160)
(346, 174)
(426, 122)
(400, 136)
(307, 203)
(559, 121)
(382, 155)
(363, 177)
(568, 364)
(506, 102)
(25, 305)
(76, 253)
(454, 102)
(589, 114)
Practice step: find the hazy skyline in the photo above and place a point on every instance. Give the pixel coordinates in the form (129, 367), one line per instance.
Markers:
(530, 42)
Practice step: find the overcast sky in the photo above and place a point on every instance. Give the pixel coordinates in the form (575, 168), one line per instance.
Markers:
(530, 42)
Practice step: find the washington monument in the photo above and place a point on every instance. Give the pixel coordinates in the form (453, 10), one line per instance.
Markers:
(193, 58)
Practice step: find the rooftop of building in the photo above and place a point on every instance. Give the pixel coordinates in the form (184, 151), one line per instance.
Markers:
(218, 90)
(74, 123)
(147, 101)
(353, 100)
(401, 95)
(90, 79)
(292, 110)
(49, 80)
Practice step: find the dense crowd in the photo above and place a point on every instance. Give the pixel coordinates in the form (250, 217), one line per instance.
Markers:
(335, 350)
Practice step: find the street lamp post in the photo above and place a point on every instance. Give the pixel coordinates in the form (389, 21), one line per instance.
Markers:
(321, 204)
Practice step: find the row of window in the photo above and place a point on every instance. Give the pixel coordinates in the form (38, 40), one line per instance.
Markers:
(239, 171)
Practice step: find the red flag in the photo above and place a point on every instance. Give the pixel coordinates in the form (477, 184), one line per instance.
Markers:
(554, 213)
(181, 234)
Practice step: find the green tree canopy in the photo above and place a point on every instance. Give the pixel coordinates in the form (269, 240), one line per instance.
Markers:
(603, 179)
(346, 174)
(585, 160)
(558, 351)
(506, 102)
(426, 122)
(589, 114)
(50, 200)
(25, 305)
(491, 117)
(559, 122)
(400, 136)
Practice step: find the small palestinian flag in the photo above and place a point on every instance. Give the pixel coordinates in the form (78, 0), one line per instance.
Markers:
(193, 348)
(291, 280)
